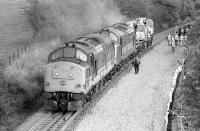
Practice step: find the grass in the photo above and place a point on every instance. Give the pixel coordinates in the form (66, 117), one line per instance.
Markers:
(188, 92)
(21, 87)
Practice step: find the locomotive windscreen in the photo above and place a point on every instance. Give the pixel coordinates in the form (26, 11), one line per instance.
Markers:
(63, 53)
(67, 52)
(140, 28)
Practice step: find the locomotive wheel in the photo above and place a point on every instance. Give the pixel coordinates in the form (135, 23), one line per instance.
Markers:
(59, 106)
(94, 90)
(63, 107)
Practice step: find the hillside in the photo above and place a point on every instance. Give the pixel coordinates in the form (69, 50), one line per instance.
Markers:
(187, 94)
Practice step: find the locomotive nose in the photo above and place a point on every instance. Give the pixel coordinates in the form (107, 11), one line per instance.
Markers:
(65, 77)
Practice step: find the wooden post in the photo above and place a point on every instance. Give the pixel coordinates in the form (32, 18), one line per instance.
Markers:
(9, 60)
(29, 44)
(25, 48)
(17, 53)
(13, 56)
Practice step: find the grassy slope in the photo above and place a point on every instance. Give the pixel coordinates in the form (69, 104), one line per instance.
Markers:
(188, 92)
(21, 84)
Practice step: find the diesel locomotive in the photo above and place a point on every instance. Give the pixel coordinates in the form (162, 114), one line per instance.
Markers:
(79, 69)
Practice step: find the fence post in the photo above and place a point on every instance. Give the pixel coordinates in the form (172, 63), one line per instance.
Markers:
(25, 47)
(9, 60)
(5, 63)
(17, 52)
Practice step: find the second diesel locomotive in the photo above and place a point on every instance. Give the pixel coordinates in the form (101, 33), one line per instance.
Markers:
(80, 68)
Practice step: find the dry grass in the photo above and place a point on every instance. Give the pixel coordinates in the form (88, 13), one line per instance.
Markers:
(21, 86)
(188, 92)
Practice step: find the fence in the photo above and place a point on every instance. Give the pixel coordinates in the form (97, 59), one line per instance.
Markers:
(8, 60)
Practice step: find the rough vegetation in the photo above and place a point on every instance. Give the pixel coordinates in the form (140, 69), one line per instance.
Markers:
(187, 96)
(22, 83)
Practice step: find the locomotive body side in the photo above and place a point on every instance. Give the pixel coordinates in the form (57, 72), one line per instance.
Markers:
(103, 61)
(127, 40)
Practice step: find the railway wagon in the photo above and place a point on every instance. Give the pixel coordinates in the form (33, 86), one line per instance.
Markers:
(79, 69)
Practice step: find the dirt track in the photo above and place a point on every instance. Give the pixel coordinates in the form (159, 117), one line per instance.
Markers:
(137, 102)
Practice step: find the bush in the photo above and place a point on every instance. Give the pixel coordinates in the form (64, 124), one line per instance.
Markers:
(15, 102)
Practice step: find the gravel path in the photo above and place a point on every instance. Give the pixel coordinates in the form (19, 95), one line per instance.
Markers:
(137, 102)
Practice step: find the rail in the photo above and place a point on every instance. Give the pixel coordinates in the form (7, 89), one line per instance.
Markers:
(52, 122)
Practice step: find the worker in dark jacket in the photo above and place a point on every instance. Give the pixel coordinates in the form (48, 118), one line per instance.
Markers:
(136, 64)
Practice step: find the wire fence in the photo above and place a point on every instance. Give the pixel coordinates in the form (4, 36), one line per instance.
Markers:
(19, 51)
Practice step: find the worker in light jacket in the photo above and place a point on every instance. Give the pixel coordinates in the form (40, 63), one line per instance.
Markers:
(173, 45)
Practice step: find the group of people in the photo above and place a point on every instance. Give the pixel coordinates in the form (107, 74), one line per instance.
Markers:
(175, 40)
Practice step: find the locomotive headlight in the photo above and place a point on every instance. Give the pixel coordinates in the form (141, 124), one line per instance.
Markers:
(70, 75)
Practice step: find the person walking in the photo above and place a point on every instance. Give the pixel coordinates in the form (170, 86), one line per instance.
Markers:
(169, 39)
(136, 64)
(181, 40)
(185, 39)
(176, 39)
(173, 44)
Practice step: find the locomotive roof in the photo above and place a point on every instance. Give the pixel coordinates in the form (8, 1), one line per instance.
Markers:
(114, 30)
(121, 26)
(95, 40)
(101, 38)
(80, 45)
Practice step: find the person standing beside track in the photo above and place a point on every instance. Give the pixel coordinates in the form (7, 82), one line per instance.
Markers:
(176, 39)
(169, 37)
(181, 40)
(136, 64)
(173, 44)
(185, 39)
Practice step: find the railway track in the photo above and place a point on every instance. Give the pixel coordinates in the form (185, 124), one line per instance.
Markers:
(52, 122)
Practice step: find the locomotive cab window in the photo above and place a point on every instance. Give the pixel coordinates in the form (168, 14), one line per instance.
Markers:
(80, 55)
(114, 38)
(57, 54)
(69, 52)
(140, 28)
